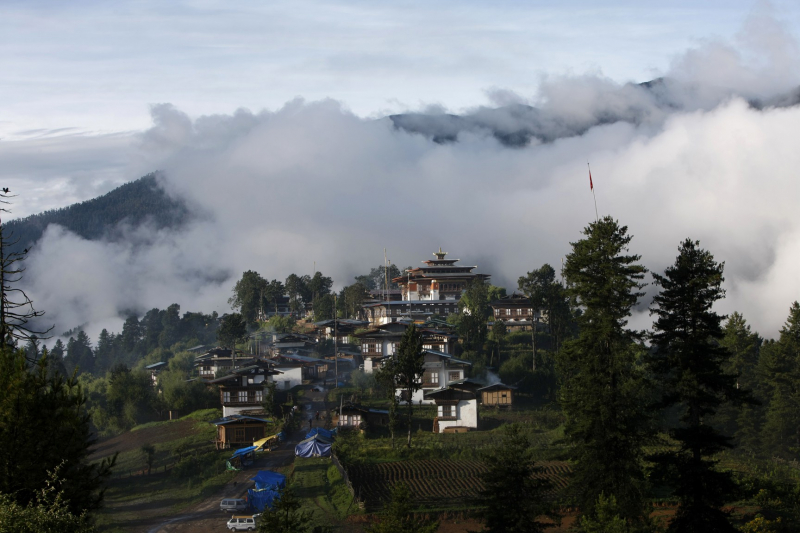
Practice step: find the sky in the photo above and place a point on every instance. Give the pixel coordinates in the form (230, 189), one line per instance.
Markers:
(268, 118)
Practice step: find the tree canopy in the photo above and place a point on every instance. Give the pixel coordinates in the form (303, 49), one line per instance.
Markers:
(689, 361)
(603, 392)
(44, 426)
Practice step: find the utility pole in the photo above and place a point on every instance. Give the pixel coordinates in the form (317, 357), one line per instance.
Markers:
(385, 276)
(533, 336)
(335, 346)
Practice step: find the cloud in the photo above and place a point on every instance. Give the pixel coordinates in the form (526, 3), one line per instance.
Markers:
(313, 183)
(53, 169)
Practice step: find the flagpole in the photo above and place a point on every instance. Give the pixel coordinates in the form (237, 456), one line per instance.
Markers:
(591, 186)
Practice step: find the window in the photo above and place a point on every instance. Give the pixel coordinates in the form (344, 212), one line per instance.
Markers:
(226, 396)
(446, 411)
(351, 420)
(454, 376)
(242, 396)
(519, 312)
(259, 396)
(432, 378)
(508, 312)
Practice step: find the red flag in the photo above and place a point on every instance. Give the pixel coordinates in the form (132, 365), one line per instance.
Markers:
(591, 185)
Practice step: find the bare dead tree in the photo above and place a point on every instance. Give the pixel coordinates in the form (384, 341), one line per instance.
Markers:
(16, 308)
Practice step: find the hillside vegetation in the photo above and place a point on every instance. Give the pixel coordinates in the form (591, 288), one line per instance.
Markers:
(134, 203)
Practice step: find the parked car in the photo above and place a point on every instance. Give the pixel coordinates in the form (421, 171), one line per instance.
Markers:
(233, 504)
(242, 523)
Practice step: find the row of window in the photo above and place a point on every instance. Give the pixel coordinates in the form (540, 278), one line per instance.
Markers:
(509, 312)
(350, 420)
(433, 377)
(447, 411)
(243, 396)
(425, 309)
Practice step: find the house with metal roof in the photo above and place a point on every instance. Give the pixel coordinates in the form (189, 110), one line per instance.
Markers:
(242, 391)
(456, 410)
(382, 341)
(236, 430)
(439, 370)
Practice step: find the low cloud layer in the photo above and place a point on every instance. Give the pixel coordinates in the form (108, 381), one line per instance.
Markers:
(691, 156)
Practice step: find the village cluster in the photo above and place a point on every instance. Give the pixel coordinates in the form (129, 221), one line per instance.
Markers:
(425, 295)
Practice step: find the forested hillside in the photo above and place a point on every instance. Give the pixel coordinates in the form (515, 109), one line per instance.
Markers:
(136, 202)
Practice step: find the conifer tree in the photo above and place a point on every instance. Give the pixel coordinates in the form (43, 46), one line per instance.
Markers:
(743, 422)
(16, 309)
(603, 390)
(286, 515)
(408, 369)
(780, 372)
(512, 499)
(44, 425)
(397, 516)
(689, 360)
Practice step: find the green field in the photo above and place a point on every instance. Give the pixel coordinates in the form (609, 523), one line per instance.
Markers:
(176, 480)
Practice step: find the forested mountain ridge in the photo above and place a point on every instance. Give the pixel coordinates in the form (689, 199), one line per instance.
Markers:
(134, 203)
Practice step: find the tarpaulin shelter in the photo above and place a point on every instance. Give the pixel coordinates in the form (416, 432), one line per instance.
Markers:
(326, 434)
(241, 457)
(313, 447)
(262, 499)
(267, 443)
(242, 452)
(266, 479)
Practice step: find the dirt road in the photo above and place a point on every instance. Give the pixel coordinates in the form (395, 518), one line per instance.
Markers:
(205, 517)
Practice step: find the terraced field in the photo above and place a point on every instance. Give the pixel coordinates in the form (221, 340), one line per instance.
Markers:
(436, 483)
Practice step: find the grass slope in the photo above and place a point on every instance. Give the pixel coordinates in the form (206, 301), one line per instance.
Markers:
(186, 470)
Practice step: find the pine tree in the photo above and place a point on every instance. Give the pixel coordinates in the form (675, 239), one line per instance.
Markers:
(104, 353)
(475, 310)
(408, 369)
(16, 309)
(387, 378)
(512, 499)
(689, 360)
(742, 421)
(779, 368)
(285, 515)
(603, 391)
(397, 516)
(44, 426)
(80, 356)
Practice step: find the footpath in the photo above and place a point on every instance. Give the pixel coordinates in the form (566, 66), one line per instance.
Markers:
(205, 516)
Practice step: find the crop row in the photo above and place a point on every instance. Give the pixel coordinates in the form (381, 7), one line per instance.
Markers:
(436, 482)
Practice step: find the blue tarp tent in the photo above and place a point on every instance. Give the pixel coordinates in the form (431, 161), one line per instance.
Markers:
(262, 499)
(266, 479)
(313, 447)
(326, 434)
(243, 451)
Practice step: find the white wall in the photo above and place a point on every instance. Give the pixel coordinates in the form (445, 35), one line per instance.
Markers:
(228, 411)
(294, 375)
(466, 416)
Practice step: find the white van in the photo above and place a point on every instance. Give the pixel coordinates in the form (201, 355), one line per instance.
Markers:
(233, 504)
(242, 523)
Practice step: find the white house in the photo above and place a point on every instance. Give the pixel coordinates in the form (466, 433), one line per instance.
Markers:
(243, 390)
(439, 370)
(456, 410)
(290, 376)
